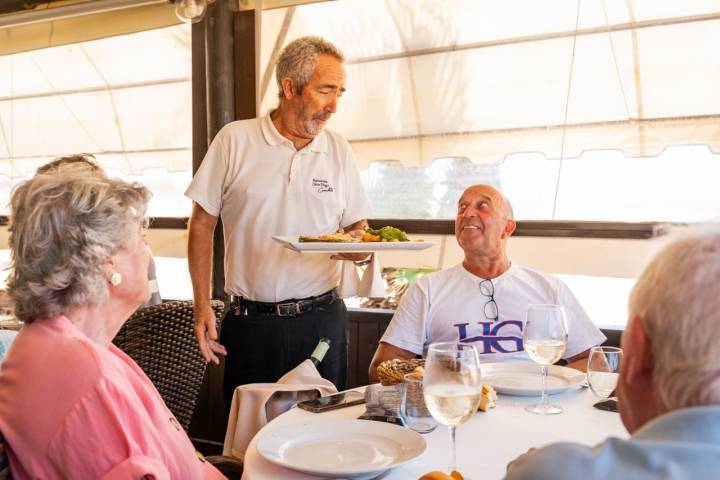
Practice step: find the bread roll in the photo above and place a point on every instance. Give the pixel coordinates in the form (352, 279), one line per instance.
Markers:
(437, 475)
(488, 398)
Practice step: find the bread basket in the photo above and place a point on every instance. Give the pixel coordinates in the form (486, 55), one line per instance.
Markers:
(391, 372)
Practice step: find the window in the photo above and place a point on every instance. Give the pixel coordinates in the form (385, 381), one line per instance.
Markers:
(125, 99)
(444, 94)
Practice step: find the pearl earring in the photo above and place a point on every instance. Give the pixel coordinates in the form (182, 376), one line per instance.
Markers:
(116, 278)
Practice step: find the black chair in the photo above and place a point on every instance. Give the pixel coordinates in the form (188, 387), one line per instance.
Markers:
(161, 340)
(5, 473)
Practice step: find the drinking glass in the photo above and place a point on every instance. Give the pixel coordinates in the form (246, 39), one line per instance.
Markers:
(413, 410)
(545, 339)
(452, 386)
(603, 370)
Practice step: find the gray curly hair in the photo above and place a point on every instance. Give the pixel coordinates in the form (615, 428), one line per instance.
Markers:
(676, 299)
(299, 59)
(64, 226)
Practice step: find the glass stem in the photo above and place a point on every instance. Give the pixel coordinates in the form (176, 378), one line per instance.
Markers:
(544, 401)
(453, 456)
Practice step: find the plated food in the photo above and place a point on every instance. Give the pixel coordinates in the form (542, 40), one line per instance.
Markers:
(384, 234)
(330, 237)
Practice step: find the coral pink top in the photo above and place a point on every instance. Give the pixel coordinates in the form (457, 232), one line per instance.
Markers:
(70, 408)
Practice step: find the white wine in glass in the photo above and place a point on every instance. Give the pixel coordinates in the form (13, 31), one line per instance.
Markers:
(545, 352)
(452, 405)
(452, 385)
(545, 341)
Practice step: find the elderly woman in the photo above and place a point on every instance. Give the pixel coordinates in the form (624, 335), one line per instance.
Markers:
(71, 404)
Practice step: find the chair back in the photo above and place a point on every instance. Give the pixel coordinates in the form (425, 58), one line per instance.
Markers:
(5, 473)
(161, 340)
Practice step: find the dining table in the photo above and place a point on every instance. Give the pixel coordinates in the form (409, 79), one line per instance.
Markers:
(485, 443)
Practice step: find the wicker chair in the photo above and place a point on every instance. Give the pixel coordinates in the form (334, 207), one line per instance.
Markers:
(5, 473)
(161, 340)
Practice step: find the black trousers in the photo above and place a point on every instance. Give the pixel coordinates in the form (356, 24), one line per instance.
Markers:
(262, 347)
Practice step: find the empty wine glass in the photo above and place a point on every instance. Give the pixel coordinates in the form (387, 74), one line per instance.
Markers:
(452, 386)
(603, 370)
(545, 339)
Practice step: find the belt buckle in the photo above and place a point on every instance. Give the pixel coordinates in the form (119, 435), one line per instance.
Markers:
(287, 309)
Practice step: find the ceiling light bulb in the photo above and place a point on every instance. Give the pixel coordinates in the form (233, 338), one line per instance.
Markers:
(190, 11)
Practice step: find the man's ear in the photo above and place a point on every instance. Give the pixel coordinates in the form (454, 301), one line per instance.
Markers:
(288, 88)
(639, 342)
(509, 227)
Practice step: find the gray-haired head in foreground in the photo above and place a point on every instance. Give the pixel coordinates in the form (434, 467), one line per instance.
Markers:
(677, 299)
(64, 227)
(81, 159)
(299, 59)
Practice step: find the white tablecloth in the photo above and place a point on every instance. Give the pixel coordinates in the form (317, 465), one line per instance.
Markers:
(486, 443)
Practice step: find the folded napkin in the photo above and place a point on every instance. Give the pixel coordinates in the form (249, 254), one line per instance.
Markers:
(371, 285)
(252, 402)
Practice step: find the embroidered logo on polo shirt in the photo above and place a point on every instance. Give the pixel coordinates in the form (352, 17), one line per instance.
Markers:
(322, 186)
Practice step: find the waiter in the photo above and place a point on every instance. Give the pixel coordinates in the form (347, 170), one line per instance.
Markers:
(281, 174)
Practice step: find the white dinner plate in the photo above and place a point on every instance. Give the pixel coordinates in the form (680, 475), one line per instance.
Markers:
(293, 243)
(524, 379)
(340, 448)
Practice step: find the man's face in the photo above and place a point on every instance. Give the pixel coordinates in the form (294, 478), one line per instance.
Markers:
(482, 224)
(319, 98)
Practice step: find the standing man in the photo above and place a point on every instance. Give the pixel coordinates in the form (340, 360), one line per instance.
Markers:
(484, 299)
(281, 174)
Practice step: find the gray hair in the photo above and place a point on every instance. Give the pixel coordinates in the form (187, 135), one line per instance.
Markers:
(85, 159)
(64, 227)
(299, 59)
(677, 300)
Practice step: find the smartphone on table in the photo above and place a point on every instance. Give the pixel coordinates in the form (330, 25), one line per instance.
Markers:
(333, 402)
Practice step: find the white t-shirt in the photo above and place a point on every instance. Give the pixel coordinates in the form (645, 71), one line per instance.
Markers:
(448, 306)
(260, 186)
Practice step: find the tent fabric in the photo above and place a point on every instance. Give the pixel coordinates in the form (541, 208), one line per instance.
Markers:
(487, 81)
(630, 86)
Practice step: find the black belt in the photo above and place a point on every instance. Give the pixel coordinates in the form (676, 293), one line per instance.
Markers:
(289, 308)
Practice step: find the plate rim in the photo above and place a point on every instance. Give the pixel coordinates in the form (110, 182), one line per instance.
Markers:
(574, 377)
(291, 242)
(336, 425)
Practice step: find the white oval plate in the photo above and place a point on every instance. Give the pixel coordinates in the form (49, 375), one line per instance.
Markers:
(523, 379)
(293, 243)
(340, 448)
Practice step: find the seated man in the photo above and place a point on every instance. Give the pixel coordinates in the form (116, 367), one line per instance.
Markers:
(669, 386)
(485, 299)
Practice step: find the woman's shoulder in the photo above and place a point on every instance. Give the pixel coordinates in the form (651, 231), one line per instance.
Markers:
(55, 355)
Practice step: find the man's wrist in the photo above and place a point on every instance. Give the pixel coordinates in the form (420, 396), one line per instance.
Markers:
(362, 263)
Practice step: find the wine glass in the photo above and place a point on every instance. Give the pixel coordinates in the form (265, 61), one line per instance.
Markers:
(603, 370)
(452, 386)
(545, 339)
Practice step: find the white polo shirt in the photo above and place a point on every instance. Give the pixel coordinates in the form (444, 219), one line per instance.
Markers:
(260, 186)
